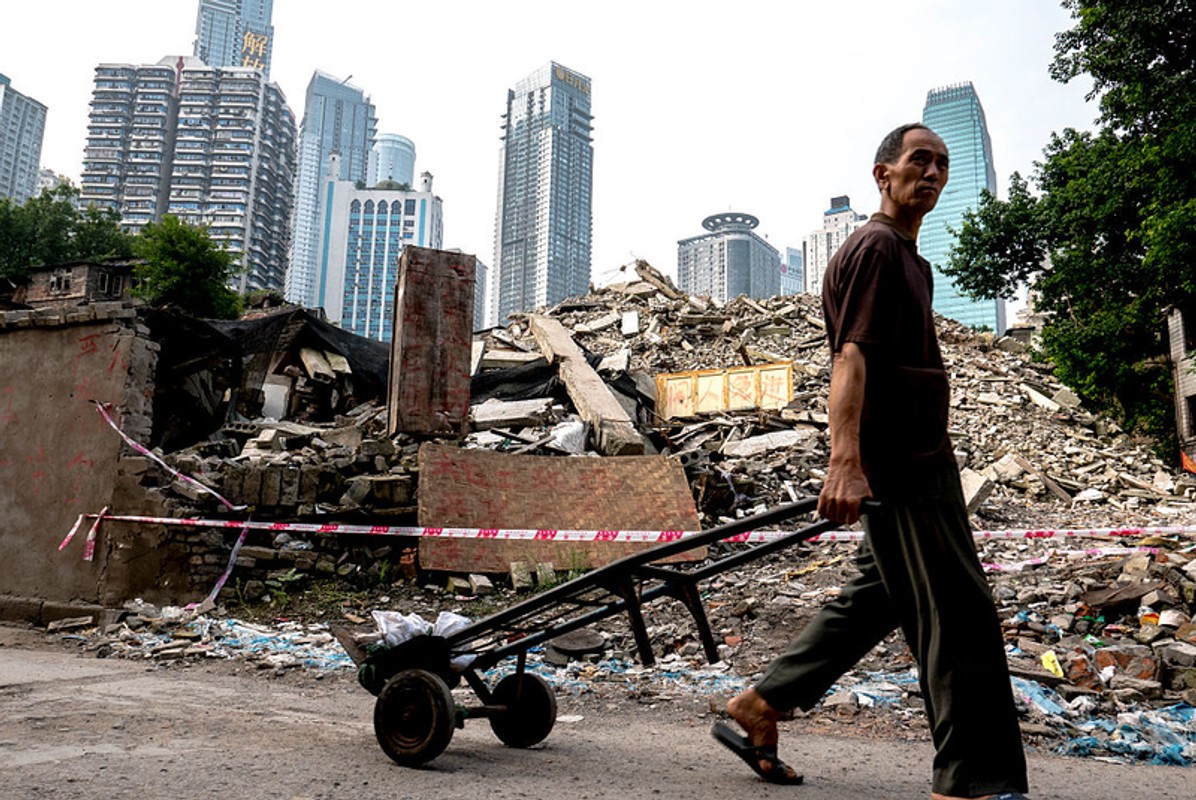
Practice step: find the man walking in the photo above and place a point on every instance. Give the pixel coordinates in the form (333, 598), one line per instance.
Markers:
(918, 565)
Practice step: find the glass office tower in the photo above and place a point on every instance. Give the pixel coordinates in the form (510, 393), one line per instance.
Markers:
(338, 118)
(235, 33)
(22, 126)
(546, 178)
(955, 114)
(729, 261)
(392, 158)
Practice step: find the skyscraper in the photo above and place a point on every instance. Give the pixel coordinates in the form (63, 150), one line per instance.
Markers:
(793, 272)
(364, 235)
(212, 146)
(126, 166)
(235, 33)
(546, 175)
(730, 261)
(838, 222)
(392, 158)
(22, 124)
(955, 114)
(337, 118)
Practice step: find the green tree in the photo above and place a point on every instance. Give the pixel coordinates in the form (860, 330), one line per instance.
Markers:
(98, 235)
(185, 270)
(49, 229)
(1109, 242)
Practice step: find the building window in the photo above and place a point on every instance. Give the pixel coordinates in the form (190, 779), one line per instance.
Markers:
(1187, 321)
(60, 281)
(1191, 403)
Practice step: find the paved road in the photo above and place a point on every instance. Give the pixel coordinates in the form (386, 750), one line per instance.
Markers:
(75, 727)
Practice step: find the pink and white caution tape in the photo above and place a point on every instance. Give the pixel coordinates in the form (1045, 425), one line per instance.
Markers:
(89, 545)
(554, 535)
(140, 448)
(561, 535)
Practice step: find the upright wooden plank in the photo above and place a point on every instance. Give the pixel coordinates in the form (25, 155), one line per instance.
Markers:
(430, 353)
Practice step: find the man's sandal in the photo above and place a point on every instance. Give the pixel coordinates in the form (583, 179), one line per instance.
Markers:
(778, 771)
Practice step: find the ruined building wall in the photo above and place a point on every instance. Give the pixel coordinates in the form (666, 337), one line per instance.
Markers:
(59, 459)
(1183, 364)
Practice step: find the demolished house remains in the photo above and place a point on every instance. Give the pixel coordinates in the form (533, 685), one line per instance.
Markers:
(634, 408)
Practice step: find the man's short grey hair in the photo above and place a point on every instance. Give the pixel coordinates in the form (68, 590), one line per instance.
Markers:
(892, 146)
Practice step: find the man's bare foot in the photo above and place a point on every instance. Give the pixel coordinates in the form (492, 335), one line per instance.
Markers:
(759, 721)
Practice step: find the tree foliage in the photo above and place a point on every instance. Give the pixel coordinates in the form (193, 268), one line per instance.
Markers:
(185, 270)
(49, 229)
(1109, 242)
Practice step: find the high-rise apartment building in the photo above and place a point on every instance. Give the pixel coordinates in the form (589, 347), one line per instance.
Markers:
(22, 125)
(235, 33)
(130, 141)
(338, 118)
(481, 274)
(212, 146)
(955, 114)
(546, 175)
(838, 222)
(729, 261)
(49, 179)
(392, 158)
(793, 271)
(365, 233)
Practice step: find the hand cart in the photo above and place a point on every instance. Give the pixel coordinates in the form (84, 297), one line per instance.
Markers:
(415, 716)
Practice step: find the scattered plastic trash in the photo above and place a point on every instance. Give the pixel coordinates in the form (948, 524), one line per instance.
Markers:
(1050, 662)
(312, 647)
(1044, 699)
(1163, 736)
(877, 688)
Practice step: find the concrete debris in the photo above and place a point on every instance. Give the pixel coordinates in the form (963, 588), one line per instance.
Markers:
(1095, 633)
(1041, 459)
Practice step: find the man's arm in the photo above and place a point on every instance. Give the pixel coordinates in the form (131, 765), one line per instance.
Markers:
(845, 485)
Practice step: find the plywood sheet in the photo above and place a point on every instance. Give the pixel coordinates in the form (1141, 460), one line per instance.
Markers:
(485, 489)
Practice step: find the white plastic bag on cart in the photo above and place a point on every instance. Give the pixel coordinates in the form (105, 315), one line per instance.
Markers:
(447, 624)
(397, 628)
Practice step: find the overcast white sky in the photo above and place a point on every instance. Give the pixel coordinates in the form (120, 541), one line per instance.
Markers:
(765, 107)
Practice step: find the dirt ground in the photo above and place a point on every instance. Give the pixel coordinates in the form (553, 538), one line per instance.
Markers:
(76, 727)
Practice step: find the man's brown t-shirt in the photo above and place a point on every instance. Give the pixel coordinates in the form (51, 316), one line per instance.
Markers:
(877, 293)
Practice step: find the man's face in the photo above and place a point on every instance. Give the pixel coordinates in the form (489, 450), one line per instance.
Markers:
(914, 182)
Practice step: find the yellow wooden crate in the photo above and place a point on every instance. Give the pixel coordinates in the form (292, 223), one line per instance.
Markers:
(684, 394)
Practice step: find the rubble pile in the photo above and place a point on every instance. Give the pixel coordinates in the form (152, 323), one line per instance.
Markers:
(1032, 456)
(1048, 460)
(1097, 631)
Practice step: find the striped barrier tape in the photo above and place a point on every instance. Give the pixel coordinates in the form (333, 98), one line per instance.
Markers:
(90, 545)
(562, 535)
(556, 535)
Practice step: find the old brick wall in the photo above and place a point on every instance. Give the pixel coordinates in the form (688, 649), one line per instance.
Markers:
(483, 489)
(58, 458)
(1183, 365)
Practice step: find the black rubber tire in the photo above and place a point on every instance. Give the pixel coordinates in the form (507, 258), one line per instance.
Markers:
(530, 713)
(414, 717)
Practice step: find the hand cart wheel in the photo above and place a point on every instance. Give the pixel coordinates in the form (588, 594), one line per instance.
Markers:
(414, 717)
(530, 710)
